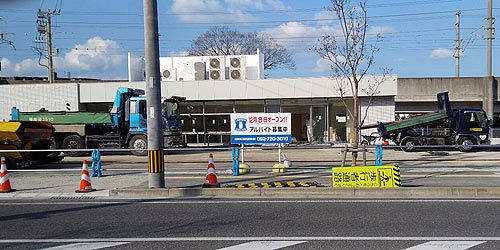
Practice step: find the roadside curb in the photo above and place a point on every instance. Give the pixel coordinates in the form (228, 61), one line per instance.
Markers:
(317, 192)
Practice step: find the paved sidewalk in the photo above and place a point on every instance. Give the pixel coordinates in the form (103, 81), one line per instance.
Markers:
(134, 184)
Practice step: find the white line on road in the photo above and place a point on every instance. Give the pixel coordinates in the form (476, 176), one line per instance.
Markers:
(86, 246)
(306, 238)
(446, 245)
(207, 201)
(263, 245)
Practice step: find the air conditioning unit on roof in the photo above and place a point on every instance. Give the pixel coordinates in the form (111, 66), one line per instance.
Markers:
(199, 71)
(169, 74)
(217, 68)
(237, 68)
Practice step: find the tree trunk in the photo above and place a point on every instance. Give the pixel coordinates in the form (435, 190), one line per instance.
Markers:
(355, 118)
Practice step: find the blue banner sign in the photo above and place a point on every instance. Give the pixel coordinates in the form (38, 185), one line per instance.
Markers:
(261, 128)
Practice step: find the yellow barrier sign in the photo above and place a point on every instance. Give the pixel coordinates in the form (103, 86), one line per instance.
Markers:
(367, 177)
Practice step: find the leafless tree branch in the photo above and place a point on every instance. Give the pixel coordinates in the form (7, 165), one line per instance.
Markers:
(221, 40)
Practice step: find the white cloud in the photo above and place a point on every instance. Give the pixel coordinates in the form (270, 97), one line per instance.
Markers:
(7, 67)
(258, 4)
(96, 53)
(291, 32)
(276, 5)
(380, 30)
(325, 17)
(441, 53)
(210, 11)
(322, 65)
(400, 60)
(29, 67)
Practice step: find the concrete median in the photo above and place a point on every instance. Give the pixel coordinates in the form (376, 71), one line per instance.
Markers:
(318, 192)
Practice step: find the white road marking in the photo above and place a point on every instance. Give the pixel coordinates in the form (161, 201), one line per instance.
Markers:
(446, 245)
(263, 245)
(305, 238)
(208, 201)
(86, 246)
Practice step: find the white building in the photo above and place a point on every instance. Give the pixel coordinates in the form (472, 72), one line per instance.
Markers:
(211, 102)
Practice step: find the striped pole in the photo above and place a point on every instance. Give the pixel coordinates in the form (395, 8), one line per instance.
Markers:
(155, 161)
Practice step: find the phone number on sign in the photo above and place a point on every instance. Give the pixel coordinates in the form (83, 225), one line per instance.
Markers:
(272, 138)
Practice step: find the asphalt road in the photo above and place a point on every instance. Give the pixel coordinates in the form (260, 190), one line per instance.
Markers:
(244, 224)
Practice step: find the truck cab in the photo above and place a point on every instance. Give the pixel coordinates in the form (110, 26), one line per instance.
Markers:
(472, 126)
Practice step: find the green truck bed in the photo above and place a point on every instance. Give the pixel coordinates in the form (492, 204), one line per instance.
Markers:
(415, 121)
(67, 117)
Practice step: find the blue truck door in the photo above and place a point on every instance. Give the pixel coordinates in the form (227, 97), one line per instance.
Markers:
(138, 115)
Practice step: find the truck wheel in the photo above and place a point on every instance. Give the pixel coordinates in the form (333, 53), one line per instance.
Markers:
(139, 142)
(408, 144)
(55, 143)
(466, 144)
(73, 142)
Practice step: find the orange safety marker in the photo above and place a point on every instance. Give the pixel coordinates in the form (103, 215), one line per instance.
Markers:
(211, 179)
(4, 178)
(85, 185)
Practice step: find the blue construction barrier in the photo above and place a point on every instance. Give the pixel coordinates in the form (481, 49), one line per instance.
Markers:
(378, 156)
(235, 156)
(96, 163)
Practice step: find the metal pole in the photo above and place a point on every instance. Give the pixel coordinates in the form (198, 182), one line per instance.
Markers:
(457, 46)
(156, 164)
(49, 49)
(490, 38)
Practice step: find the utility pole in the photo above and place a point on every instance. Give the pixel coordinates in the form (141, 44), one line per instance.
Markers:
(490, 38)
(156, 163)
(488, 99)
(457, 45)
(44, 28)
(49, 49)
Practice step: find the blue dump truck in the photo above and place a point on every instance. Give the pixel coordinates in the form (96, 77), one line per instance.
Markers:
(125, 126)
(447, 126)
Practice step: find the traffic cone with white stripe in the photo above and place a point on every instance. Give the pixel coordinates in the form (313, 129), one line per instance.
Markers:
(85, 185)
(211, 179)
(4, 178)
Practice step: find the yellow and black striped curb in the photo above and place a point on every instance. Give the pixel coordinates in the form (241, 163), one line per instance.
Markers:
(276, 184)
(397, 176)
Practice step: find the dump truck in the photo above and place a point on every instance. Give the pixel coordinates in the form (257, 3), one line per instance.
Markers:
(446, 126)
(26, 135)
(125, 126)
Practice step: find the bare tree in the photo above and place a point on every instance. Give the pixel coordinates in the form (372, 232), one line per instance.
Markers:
(351, 57)
(221, 40)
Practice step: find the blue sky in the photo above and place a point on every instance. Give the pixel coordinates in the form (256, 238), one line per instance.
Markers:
(92, 37)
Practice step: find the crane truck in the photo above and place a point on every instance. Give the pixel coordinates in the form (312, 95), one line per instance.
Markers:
(446, 126)
(125, 126)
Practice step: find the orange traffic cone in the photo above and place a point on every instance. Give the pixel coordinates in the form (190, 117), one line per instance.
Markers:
(4, 178)
(211, 179)
(85, 185)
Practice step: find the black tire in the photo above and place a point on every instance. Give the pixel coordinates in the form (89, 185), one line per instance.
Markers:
(73, 142)
(139, 142)
(408, 144)
(55, 143)
(467, 144)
